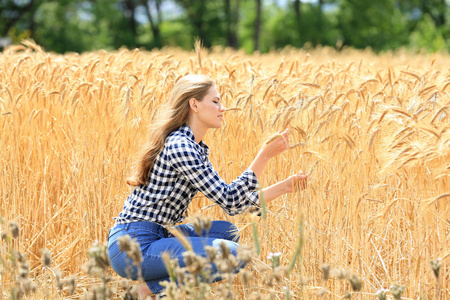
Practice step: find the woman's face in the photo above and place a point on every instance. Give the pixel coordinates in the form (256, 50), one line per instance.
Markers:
(210, 109)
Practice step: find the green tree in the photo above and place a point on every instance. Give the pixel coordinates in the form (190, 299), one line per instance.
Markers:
(283, 26)
(153, 12)
(257, 32)
(69, 25)
(427, 36)
(428, 23)
(206, 20)
(127, 21)
(376, 24)
(17, 18)
(417, 9)
(58, 27)
(232, 22)
(112, 24)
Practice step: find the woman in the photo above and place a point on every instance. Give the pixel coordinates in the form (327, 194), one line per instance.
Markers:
(173, 167)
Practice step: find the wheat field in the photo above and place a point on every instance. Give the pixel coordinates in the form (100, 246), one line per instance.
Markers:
(373, 131)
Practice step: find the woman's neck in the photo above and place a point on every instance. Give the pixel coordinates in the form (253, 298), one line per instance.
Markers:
(198, 130)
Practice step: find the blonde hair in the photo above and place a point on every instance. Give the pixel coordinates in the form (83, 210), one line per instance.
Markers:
(173, 116)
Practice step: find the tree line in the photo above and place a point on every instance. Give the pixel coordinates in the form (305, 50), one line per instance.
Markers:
(261, 25)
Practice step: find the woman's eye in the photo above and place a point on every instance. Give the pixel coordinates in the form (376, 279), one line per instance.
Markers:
(215, 102)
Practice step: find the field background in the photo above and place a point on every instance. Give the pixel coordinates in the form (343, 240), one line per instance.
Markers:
(373, 129)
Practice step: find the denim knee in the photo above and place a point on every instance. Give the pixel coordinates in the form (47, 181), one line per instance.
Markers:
(120, 262)
(233, 247)
(227, 230)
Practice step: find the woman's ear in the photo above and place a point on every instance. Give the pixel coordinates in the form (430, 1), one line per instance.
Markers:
(193, 104)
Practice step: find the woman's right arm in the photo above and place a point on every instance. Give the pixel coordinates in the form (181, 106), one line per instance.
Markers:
(234, 198)
(278, 145)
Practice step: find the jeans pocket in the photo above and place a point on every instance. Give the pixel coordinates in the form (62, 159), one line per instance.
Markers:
(145, 237)
(113, 245)
(114, 233)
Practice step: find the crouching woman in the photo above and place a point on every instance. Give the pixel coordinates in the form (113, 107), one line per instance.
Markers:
(171, 169)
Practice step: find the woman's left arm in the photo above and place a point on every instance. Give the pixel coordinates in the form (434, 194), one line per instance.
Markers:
(284, 187)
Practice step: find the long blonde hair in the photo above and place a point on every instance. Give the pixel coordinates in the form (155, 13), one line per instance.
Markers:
(172, 117)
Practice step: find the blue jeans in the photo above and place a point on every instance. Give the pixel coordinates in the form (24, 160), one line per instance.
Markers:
(154, 240)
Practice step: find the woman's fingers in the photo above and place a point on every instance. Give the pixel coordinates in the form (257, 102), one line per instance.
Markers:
(278, 144)
(302, 180)
(297, 181)
(285, 135)
(284, 139)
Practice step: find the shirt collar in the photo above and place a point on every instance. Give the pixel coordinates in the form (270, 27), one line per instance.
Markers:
(185, 129)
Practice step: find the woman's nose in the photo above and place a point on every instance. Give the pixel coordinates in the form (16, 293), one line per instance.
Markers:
(222, 108)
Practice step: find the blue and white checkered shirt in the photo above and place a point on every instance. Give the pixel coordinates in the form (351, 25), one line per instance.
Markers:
(180, 171)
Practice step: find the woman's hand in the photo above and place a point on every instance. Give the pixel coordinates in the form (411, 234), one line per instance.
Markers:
(276, 145)
(272, 147)
(299, 181)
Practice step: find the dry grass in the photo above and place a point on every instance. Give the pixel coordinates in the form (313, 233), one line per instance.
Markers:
(374, 130)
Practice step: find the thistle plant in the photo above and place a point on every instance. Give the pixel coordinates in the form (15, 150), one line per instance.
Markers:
(132, 249)
(397, 290)
(15, 263)
(99, 264)
(325, 268)
(381, 294)
(201, 224)
(275, 259)
(339, 273)
(355, 283)
(436, 266)
(193, 281)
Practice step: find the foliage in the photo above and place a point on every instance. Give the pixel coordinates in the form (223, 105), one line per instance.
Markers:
(309, 30)
(427, 36)
(70, 25)
(205, 19)
(375, 24)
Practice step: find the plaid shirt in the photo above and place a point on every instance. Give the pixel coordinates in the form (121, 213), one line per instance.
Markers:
(180, 171)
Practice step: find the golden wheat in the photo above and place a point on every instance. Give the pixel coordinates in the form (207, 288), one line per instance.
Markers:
(377, 202)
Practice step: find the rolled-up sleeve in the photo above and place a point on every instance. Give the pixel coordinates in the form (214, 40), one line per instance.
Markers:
(234, 198)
